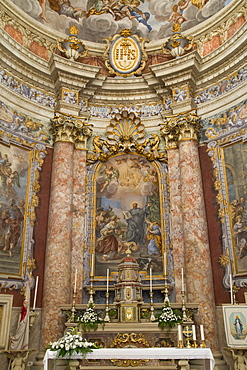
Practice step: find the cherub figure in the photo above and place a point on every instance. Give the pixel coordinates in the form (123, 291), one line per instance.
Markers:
(240, 361)
(18, 363)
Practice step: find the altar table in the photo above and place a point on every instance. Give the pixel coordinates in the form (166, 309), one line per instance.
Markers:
(160, 353)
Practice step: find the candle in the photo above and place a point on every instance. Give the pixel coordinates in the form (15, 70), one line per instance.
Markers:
(231, 291)
(182, 273)
(165, 264)
(92, 265)
(151, 287)
(179, 332)
(35, 293)
(107, 280)
(194, 332)
(202, 332)
(75, 281)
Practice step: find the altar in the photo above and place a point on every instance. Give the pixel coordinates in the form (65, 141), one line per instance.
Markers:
(204, 354)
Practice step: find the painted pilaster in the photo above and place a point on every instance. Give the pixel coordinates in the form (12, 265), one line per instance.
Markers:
(177, 237)
(198, 270)
(78, 232)
(57, 268)
(183, 130)
(64, 250)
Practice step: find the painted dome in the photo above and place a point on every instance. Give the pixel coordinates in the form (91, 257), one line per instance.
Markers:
(99, 19)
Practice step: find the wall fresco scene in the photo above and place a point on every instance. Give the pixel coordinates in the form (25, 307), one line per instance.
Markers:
(235, 158)
(14, 174)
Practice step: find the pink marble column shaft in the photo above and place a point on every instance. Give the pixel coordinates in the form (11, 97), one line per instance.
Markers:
(78, 232)
(198, 272)
(57, 286)
(177, 238)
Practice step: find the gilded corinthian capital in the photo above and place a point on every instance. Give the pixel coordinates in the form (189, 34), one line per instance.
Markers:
(179, 128)
(71, 129)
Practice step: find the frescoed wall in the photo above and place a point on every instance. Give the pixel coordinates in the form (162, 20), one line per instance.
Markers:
(13, 196)
(98, 19)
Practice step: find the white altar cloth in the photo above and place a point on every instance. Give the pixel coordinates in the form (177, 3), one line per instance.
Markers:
(204, 354)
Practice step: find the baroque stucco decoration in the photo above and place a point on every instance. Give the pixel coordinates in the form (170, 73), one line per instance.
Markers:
(72, 129)
(180, 127)
(126, 134)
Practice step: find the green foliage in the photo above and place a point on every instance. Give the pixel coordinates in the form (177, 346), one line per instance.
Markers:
(90, 319)
(168, 317)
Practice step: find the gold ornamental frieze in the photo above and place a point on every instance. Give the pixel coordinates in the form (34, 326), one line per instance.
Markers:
(125, 54)
(71, 129)
(126, 134)
(180, 127)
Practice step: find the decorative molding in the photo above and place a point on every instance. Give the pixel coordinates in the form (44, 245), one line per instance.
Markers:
(220, 30)
(71, 129)
(180, 127)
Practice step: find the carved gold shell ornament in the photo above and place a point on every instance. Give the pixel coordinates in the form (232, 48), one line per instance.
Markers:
(126, 134)
(125, 54)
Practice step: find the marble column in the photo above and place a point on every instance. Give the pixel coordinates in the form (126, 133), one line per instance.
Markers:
(57, 285)
(177, 238)
(198, 271)
(78, 232)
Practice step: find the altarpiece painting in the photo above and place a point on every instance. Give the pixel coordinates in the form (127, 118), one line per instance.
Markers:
(128, 213)
(127, 201)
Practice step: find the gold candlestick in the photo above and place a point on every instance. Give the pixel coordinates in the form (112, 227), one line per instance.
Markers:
(152, 317)
(203, 344)
(91, 292)
(194, 345)
(166, 299)
(180, 344)
(235, 289)
(73, 309)
(184, 316)
(107, 318)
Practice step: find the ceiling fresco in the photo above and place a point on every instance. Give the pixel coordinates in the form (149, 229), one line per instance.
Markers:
(99, 19)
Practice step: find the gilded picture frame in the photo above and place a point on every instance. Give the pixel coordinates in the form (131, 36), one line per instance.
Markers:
(20, 163)
(6, 302)
(228, 149)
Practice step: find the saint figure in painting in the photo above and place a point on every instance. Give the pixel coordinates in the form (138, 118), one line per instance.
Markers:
(137, 223)
(238, 326)
(11, 221)
(154, 237)
(108, 242)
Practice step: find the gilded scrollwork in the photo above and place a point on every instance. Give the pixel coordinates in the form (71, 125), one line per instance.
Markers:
(224, 259)
(126, 340)
(180, 127)
(71, 129)
(126, 134)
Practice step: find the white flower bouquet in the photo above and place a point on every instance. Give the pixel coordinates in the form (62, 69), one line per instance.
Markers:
(71, 343)
(90, 319)
(168, 317)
